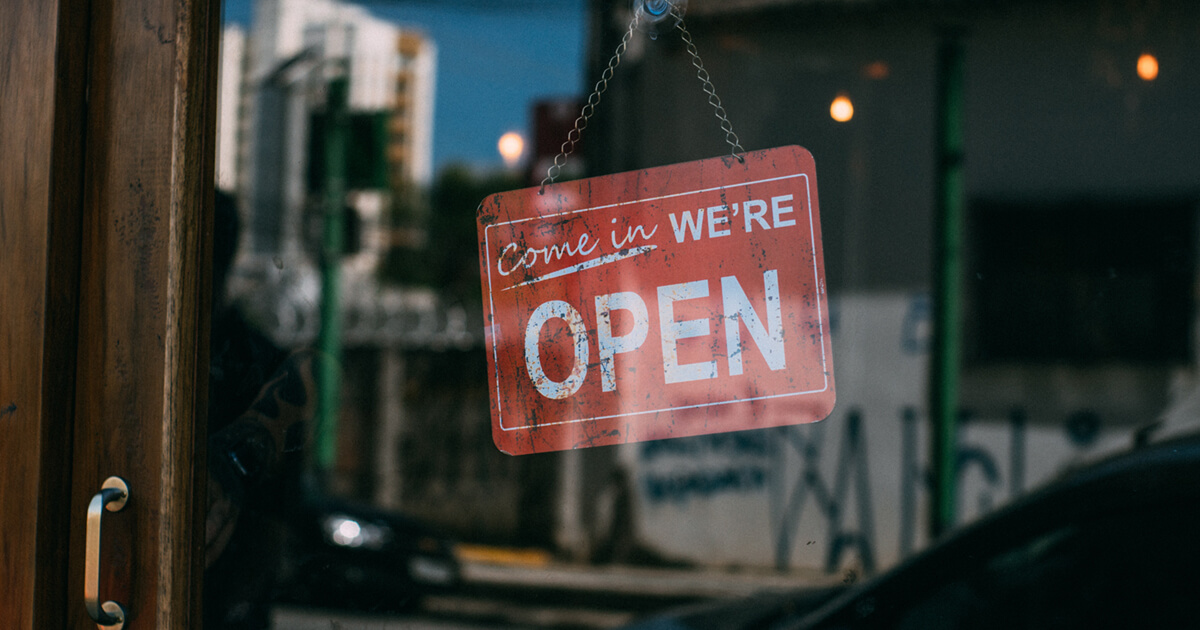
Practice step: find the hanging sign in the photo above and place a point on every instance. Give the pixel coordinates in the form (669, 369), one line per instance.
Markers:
(659, 303)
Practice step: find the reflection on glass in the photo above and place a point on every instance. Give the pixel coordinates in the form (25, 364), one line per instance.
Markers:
(841, 109)
(1078, 301)
(1147, 67)
(511, 146)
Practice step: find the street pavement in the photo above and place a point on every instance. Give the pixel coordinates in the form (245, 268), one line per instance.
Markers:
(503, 589)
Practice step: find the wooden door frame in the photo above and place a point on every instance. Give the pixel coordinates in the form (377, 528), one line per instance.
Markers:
(105, 246)
(42, 97)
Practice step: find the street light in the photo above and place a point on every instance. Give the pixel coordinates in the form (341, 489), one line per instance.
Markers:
(511, 146)
(1147, 67)
(841, 109)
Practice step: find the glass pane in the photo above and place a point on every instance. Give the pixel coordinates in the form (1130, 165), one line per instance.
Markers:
(1008, 236)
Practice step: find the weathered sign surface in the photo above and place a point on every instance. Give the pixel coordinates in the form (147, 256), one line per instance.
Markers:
(672, 301)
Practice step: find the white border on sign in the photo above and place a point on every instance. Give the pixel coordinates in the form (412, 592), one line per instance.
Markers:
(816, 286)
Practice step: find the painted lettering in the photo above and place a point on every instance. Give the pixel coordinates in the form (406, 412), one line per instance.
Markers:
(630, 234)
(672, 331)
(553, 253)
(765, 326)
(778, 209)
(751, 215)
(738, 310)
(688, 224)
(716, 216)
(611, 346)
(533, 360)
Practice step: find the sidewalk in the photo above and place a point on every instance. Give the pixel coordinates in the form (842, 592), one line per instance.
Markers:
(536, 570)
(505, 589)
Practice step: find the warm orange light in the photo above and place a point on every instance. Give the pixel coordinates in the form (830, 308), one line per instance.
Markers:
(877, 70)
(511, 146)
(841, 109)
(1147, 67)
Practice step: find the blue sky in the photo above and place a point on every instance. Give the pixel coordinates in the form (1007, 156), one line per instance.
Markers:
(495, 58)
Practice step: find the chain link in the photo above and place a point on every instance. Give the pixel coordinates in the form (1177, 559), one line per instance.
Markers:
(589, 109)
(707, 86)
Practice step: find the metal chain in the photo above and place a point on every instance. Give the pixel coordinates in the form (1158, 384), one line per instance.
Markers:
(575, 134)
(707, 86)
(589, 108)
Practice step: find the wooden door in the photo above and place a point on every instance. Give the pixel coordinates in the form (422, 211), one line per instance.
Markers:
(106, 171)
(41, 101)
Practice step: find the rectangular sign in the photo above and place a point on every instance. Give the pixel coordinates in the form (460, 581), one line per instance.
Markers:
(666, 302)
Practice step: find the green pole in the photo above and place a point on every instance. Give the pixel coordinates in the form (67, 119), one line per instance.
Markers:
(944, 354)
(329, 336)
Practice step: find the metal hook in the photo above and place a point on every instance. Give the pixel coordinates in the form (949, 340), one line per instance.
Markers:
(658, 16)
(654, 11)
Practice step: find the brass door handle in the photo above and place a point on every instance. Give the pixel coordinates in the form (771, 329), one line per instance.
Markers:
(112, 496)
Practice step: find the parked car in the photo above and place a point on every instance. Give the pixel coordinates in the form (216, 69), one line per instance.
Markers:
(348, 555)
(1113, 545)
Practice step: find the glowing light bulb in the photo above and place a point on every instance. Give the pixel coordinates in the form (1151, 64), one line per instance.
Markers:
(841, 109)
(1147, 67)
(511, 146)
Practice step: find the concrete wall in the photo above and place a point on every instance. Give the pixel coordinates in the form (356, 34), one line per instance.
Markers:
(850, 491)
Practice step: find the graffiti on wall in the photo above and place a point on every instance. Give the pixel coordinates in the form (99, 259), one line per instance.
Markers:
(747, 450)
(790, 497)
(855, 487)
(803, 471)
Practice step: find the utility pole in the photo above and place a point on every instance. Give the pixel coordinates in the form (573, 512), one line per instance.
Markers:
(335, 130)
(948, 220)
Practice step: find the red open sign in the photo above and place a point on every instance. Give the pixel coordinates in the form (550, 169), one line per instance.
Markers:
(672, 301)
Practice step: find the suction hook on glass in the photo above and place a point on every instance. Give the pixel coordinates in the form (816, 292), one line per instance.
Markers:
(658, 16)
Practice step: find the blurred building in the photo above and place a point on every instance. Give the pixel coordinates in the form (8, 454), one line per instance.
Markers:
(232, 121)
(410, 127)
(413, 426)
(553, 122)
(272, 94)
(271, 87)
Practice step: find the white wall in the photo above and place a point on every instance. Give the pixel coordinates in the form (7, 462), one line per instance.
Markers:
(744, 500)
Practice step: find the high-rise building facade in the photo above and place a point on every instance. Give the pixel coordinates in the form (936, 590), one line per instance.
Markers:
(231, 106)
(410, 128)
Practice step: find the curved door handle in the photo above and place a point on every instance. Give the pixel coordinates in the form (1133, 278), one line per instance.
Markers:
(112, 496)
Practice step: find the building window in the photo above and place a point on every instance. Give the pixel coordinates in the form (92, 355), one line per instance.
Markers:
(1081, 283)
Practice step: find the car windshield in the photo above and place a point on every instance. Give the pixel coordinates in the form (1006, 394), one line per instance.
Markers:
(587, 313)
